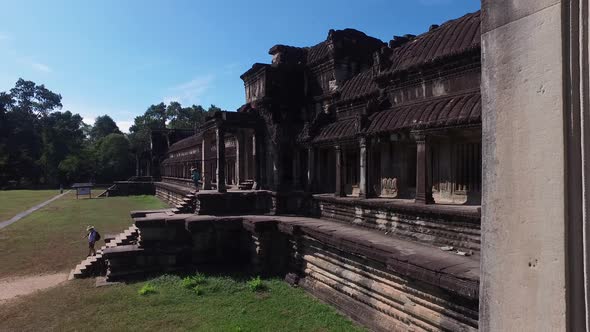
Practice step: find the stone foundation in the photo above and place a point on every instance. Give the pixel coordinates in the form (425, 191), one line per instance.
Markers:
(383, 282)
(171, 194)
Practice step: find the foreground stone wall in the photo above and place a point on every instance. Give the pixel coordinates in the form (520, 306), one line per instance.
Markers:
(384, 283)
(384, 300)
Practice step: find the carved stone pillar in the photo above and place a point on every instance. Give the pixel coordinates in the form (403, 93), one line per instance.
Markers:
(310, 169)
(296, 170)
(258, 147)
(220, 173)
(239, 157)
(340, 192)
(364, 169)
(423, 186)
(204, 155)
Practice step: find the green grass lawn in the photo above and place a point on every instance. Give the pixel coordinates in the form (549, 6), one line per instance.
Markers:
(50, 239)
(15, 201)
(222, 304)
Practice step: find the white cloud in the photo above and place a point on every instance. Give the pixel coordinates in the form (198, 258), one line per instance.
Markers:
(36, 65)
(41, 67)
(190, 92)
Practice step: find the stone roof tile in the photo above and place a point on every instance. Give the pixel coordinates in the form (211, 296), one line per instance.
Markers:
(440, 112)
(451, 38)
(359, 86)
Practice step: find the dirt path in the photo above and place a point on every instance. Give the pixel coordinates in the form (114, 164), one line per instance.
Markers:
(13, 287)
(29, 211)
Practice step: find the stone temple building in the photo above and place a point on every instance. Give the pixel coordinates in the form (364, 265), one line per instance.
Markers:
(354, 117)
(380, 137)
(354, 171)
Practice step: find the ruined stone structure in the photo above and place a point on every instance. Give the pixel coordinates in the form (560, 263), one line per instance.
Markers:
(351, 166)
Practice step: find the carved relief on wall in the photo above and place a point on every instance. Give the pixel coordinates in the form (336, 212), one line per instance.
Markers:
(389, 187)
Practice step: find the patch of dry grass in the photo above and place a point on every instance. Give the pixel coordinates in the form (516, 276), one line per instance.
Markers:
(13, 202)
(50, 239)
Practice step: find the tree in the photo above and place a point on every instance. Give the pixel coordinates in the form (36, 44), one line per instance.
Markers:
(114, 159)
(212, 109)
(185, 117)
(61, 136)
(104, 125)
(5, 129)
(155, 116)
(80, 167)
(35, 99)
(24, 109)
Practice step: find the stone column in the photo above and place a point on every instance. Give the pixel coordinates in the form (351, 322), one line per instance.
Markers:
(272, 161)
(339, 173)
(310, 169)
(247, 148)
(220, 173)
(296, 170)
(423, 186)
(258, 147)
(204, 176)
(364, 171)
(534, 262)
(239, 156)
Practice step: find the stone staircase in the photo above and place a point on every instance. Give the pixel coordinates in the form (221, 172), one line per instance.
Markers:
(180, 198)
(95, 265)
(109, 190)
(186, 205)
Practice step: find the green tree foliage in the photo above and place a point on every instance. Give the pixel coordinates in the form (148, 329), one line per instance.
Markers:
(104, 125)
(61, 136)
(25, 111)
(40, 145)
(114, 158)
(79, 167)
(185, 117)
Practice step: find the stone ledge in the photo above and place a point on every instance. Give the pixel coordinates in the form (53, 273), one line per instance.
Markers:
(465, 212)
(174, 188)
(429, 264)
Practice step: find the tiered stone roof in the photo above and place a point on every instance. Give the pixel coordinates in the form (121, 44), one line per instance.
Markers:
(362, 85)
(184, 143)
(447, 111)
(451, 38)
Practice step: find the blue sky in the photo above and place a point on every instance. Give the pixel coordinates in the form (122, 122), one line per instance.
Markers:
(118, 57)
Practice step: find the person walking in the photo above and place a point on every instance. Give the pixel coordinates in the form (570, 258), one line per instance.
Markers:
(93, 236)
(196, 176)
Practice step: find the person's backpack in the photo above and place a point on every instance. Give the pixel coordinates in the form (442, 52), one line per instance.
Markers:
(97, 236)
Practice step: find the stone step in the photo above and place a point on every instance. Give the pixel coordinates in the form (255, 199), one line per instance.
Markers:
(88, 266)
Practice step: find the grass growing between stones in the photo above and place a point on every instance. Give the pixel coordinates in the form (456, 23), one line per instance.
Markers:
(222, 304)
(13, 202)
(50, 239)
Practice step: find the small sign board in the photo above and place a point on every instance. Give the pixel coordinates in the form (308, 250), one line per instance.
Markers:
(83, 189)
